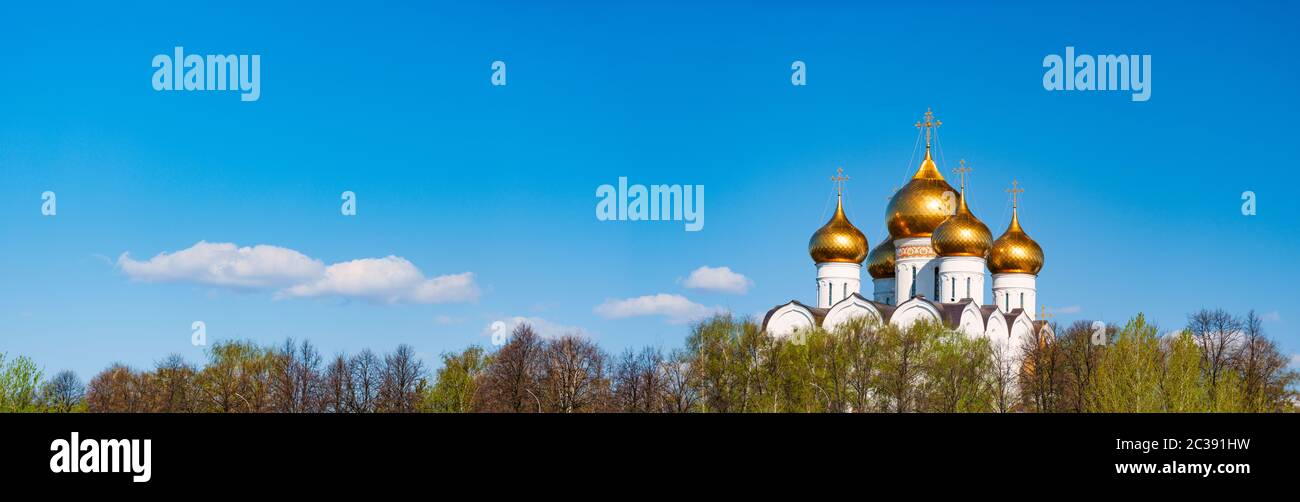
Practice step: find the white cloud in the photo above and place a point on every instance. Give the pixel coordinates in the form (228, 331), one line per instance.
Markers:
(1273, 316)
(391, 279)
(676, 308)
(543, 327)
(224, 264)
(720, 279)
(1071, 309)
(1295, 361)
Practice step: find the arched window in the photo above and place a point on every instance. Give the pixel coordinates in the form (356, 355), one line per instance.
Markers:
(913, 281)
(952, 295)
(968, 288)
(1022, 300)
(844, 291)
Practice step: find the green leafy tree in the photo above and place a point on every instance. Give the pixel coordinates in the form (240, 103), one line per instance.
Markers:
(1182, 384)
(905, 356)
(1128, 378)
(20, 382)
(456, 384)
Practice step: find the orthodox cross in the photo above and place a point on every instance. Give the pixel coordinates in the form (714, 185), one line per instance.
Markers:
(961, 171)
(1015, 189)
(839, 180)
(930, 123)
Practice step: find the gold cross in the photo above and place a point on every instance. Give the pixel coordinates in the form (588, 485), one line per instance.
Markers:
(839, 180)
(929, 124)
(961, 171)
(1015, 189)
(1043, 316)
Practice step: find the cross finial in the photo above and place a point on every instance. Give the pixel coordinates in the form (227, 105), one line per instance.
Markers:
(930, 123)
(1043, 315)
(1014, 190)
(961, 171)
(839, 180)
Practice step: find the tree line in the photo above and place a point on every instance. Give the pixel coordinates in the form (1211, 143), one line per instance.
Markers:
(1218, 363)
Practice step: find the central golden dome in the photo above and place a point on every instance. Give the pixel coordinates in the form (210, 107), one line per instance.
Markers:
(962, 234)
(880, 263)
(919, 207)
(838, 240)
(1015, 252)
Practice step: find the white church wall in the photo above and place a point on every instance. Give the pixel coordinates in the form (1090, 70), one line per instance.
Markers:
(961, 277)
(1015, 291)
(837, 281)
(914, 264)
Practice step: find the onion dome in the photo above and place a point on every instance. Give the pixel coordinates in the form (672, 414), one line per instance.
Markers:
(880, 263)
(919, 207)
(838, 240)
(1015, 252)
(962, 234)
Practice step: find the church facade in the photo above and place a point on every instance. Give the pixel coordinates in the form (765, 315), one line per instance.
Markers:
(932, 266)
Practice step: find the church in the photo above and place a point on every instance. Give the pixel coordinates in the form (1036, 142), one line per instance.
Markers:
(930, 267)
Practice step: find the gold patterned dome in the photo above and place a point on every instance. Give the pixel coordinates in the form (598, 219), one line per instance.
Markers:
(838, 240)
(880, 263)
(962, 234)
(919, 207)
(1015, 252)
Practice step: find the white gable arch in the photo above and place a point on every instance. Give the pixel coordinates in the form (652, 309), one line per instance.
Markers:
(971, 322)
(854, 306)
(1022, 331)
(914, 310)
(788, 318)
(997, 330)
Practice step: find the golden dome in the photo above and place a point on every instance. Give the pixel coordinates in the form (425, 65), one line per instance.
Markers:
(838, 240)
(919, 207)
(962, 234)
(880, 263)
(1015, 252)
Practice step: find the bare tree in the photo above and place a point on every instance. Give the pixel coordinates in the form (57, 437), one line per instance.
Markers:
(1040, 373)
(295, 372)
(639, 381)
(337, 389)
(117, 389)
(1265, 378)
(513, 382)
(402, 377)
(1004, 371)
(1079, 359)
(63, 393)
(573, 375)
(679, 389)
(1218, 333)
(174, 385)
(367, 372)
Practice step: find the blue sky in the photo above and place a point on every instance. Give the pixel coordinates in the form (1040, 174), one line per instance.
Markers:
(1137, 205)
